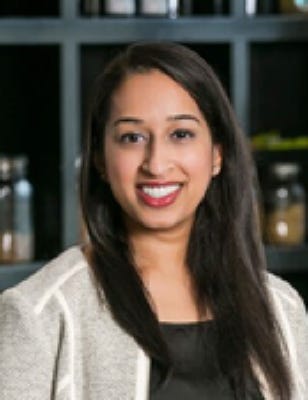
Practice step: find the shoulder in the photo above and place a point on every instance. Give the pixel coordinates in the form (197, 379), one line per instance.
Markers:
(290, 312)
(65, 272)
(284, 295)
(288, 305)
(61, 293)
(291, 315)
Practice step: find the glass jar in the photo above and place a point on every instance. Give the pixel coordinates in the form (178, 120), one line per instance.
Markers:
(293, 6)
(284, 222)
(160, 8)
(16, 225)
(153, 7)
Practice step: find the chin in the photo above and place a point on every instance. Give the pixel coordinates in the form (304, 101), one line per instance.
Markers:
(162, 225)
(159, 227)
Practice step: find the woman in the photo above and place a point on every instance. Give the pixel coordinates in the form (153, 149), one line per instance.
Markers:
(170, 298)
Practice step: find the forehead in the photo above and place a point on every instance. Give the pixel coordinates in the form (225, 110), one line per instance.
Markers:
(152, 89)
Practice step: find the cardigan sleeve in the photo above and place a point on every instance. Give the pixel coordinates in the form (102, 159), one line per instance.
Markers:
(26, 361)
(301, 340)
(293, 321)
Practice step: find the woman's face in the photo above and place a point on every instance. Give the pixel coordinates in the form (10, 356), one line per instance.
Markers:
(159, 157)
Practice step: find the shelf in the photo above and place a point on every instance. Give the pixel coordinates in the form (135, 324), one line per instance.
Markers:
(287, 259)
(280, 72)
(12, 274)
(197, 29)
(30, 125)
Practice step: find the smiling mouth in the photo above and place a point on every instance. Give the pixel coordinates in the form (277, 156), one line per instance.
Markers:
(158, 195)
(160, 191)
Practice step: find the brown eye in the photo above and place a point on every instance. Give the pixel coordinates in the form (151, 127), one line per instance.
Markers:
(182, 134)
(132, 137)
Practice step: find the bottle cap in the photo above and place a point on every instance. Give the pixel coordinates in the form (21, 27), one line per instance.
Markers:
(285, 170)
(5, 168)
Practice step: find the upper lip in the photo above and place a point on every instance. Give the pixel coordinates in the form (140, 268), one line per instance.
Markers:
(157, 183)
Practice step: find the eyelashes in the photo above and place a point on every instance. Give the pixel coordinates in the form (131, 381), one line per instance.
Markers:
(132, 137)
(182, 134)
(178, 135)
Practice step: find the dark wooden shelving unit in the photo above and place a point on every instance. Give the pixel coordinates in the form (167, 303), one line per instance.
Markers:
(287, 259)
(236, 45)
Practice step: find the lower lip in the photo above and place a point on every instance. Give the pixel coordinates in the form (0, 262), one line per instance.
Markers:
(158, 201)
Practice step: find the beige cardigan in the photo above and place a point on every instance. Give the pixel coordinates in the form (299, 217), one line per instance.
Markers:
(57, 343)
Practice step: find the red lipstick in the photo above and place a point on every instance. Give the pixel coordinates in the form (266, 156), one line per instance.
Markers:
(157, 202)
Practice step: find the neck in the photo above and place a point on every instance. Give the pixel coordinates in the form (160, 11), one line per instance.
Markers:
(160, 258)
(162, 252)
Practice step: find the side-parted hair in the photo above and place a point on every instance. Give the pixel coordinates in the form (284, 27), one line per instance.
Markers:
(225, 254)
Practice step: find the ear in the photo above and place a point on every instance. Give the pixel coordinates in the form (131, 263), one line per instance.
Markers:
(217, 159)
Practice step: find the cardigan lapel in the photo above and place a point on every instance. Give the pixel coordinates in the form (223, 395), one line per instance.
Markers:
(142, 376)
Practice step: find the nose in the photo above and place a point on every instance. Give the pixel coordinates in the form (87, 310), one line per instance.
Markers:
(157, 159)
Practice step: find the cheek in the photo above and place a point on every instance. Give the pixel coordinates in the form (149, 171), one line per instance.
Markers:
(199, 169)
(120, 171)
(199, 164)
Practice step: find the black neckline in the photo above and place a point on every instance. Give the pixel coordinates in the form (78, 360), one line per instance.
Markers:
(188, 324)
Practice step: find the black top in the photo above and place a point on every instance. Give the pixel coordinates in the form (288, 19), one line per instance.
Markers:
(196, 374)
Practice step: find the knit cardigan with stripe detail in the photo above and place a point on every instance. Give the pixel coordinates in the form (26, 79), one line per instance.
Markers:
(58, 342)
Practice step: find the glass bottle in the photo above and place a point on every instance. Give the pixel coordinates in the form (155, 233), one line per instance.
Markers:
(6, 210)
(120, 7)
(22, 211)
(285, 210)
(173, 8)
(251, 7)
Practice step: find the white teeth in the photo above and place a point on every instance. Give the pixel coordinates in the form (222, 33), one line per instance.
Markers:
(160, 191)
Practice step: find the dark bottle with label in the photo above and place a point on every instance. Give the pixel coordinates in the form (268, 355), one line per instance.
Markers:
(91, 8)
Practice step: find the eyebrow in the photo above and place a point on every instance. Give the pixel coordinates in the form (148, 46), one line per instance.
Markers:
(176, 117)
(179, 117)
(128, 119)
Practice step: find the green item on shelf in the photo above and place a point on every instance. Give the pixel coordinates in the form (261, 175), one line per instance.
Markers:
(272, 140)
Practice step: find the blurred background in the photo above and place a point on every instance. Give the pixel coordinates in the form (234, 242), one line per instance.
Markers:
(50, 54)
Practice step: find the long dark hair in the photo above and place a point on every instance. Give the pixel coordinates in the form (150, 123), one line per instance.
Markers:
(225, 255)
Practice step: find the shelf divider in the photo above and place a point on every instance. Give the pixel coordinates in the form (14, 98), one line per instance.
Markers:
(240, 70)
(68, 9)
(198, 29)
(70, 145)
